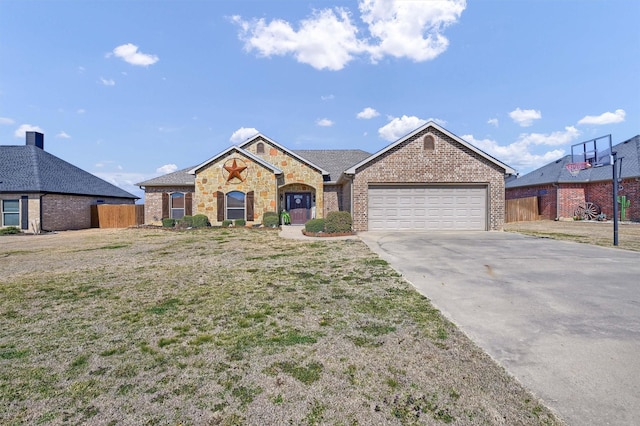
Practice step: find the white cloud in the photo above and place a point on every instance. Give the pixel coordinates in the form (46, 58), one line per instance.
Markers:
(324, 122)
(63, 135)
(520, 154)
(21, 131)
(242, 134)
(329, 39)
(327, 97)
(129, 53)
(167, 168)
(367, 113)
(6, 120)
(604, 118)
(493, 122)
(411, 29)
(399, 127)
(525, 117)
(81, 111)
(125, 180)
(107, 82)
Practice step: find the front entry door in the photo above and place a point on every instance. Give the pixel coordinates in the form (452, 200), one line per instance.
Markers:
(298, 204)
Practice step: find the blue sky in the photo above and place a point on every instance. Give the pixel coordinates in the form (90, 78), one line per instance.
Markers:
(129, 90)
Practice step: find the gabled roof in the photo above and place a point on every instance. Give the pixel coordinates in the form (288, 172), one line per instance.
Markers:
(506, 168)
(628, 153)
(239, 150)
(335, 161)
(28, 168)
(177, 178)
(288, 151)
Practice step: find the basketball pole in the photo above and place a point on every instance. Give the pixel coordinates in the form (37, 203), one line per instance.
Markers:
(614, 161)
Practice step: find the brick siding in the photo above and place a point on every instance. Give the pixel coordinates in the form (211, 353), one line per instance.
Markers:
(571, 195)
(61, 212)
(153, 201)
(448, 162)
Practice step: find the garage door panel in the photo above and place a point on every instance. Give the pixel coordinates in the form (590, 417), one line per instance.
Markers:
(428, 207)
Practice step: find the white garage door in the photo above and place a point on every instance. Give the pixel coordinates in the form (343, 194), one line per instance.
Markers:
(444, 207)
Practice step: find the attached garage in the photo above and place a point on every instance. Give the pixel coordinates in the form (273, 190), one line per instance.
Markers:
(427, 207)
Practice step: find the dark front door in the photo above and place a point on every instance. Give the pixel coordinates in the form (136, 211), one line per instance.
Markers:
(298, 204)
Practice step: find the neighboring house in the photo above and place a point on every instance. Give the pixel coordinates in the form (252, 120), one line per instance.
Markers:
(38, 187)
(559, 193)
(429, 179)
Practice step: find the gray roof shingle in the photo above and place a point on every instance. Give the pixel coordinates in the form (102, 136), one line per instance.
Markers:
(177, 178)
(335, 161)
(30, 169)
(556, 172)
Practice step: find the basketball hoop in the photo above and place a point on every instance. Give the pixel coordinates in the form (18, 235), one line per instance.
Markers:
(574, 168)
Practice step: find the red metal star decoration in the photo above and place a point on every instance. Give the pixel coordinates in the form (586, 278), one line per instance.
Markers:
(235, 171)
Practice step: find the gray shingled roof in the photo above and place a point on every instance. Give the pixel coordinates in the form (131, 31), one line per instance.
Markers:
(178, 178)
(335, 161)
(556, 172)
(27, 168)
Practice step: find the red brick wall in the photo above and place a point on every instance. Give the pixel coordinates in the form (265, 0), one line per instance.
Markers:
(574, 194)
(448, 162)
(546, 194)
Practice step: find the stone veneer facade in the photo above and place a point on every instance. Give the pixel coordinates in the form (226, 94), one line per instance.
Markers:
(268, 188)
(153, 201)
(448, 162)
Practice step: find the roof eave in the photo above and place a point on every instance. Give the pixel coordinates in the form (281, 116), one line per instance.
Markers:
(507, 169)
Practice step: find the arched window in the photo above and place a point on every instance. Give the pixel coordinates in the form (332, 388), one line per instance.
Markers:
(429, 143)
(260, 148)
(235, 205)
(177, 205)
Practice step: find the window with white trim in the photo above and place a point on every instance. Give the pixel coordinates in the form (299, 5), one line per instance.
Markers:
(235, 205)
(177, 205)
(10, 212)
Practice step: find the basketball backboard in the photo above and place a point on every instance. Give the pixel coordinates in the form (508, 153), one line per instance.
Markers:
(596, 152)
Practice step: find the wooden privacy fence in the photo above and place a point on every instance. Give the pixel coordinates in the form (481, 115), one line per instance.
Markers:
(521, 209)
(117, 215)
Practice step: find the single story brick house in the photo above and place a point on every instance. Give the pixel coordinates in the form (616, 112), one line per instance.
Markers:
(429, 179)
(37, 187)
(559, 193)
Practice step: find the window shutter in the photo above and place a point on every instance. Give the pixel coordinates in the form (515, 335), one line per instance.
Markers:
(188, 210)
(25, 212)
(220, 203)
(250, 217)
(165, 205)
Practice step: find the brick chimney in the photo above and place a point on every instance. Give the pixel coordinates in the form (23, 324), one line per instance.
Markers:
(35, 139)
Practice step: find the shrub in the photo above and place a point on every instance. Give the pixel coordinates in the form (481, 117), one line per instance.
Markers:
(239, 222)
(200, 221)
(226, 223)
(9, 230)
(338, 222)
(314, 225)
(185, 222)
(167, 222)
(270, 219)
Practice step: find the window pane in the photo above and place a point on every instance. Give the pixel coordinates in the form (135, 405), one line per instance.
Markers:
(235, 199)
(177, 213)
(177, 200)
(10, 206)
(235, 214)
(11, 219)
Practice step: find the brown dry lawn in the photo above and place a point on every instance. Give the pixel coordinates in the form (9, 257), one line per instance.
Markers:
(229, 327)
(590, 232)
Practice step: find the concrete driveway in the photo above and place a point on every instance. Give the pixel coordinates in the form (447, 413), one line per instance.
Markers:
(562, 317)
